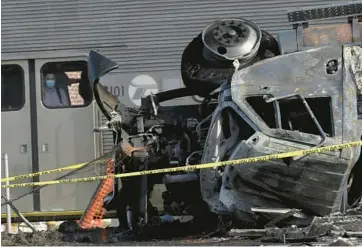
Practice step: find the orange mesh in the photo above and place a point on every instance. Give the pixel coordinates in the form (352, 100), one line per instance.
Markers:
(95, 211)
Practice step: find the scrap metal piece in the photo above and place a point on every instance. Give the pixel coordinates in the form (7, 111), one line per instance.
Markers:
(249, 233)
(287, 41)
(350, 234)
(281, 217)
(286, 240)
(297, 212)
(341, 242)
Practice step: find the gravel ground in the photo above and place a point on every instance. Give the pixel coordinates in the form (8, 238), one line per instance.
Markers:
(55, 239)
(329, 230)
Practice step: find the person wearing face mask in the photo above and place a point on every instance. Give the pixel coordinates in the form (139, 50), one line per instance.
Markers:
(54, 96)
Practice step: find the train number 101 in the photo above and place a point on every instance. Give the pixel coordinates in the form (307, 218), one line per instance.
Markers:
(117, 91)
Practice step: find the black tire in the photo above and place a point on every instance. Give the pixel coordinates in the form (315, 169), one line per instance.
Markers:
(200, 75)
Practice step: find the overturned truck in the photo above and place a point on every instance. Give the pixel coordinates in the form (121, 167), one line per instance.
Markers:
(262, 95)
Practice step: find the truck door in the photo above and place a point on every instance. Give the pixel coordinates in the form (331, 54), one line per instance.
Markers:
(16, 128)
(65, 119)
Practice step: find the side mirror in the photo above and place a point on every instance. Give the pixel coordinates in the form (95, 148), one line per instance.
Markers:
(98, 66)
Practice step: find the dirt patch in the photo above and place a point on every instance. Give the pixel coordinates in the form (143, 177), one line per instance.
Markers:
(322, 230)
(38, 238)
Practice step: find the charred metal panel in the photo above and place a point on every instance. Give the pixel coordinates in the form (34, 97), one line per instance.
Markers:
(287, 41)
(307, 73)
(314, 36)
(274, 183)
(329, 35)
(352, 81)
(314, 182)
(353, 65)
(301, 72)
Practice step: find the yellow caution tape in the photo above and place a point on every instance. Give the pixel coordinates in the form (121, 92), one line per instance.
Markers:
(196, 167)
(66, 168)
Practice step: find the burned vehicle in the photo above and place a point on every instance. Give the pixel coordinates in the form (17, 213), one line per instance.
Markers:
(262, 95)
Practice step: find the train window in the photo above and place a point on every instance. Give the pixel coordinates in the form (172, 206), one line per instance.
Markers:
(65, 85)
(12, 87)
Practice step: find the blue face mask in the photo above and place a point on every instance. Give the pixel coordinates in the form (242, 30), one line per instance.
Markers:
(50, 83)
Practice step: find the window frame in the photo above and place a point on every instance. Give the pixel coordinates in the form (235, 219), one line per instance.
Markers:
(42, 85)
(22, 86)
(278, 112)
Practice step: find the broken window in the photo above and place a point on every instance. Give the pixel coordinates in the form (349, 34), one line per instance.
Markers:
(264, 110)
(65, 84)
(12, 87)
(294, 115)
(228, 131)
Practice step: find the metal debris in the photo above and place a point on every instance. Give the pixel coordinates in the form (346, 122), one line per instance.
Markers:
(247, 233)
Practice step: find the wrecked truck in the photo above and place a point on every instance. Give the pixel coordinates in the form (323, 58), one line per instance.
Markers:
(261, 95)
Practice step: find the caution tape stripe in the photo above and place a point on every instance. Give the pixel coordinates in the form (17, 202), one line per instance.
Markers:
(195, 167)
(66, 168)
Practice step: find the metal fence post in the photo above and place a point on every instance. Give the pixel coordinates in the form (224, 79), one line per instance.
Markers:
(8, 209)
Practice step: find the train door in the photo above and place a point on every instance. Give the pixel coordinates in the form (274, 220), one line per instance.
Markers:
(16, 126)
(65, 122)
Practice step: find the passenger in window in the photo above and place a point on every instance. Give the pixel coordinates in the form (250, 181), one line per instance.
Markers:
(53, 95)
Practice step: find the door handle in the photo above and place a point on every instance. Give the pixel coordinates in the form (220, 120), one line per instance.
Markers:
(23, 148)
(44, 148)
